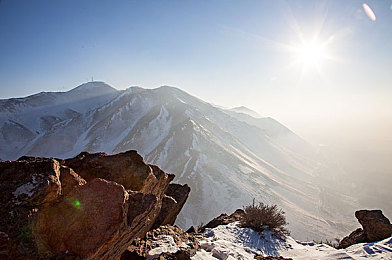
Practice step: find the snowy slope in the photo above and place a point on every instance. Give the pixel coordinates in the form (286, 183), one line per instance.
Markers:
(233, 242)
(228, 158)
(245, 110)
(23, 120)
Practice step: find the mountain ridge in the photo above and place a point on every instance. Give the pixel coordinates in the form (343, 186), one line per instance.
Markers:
(228, 159)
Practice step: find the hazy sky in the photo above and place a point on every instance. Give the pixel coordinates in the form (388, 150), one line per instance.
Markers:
(323, 68)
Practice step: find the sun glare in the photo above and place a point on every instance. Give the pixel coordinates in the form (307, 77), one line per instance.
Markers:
(311, 54)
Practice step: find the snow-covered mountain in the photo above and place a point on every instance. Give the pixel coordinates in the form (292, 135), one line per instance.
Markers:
(227, 157)
(247, 111)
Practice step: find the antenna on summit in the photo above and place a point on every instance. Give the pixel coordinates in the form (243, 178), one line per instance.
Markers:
(92, 78)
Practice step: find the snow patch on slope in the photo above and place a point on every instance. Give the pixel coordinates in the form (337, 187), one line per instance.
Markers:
(232, 242)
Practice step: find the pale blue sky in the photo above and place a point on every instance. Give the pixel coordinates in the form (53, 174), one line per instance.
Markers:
(227, 52)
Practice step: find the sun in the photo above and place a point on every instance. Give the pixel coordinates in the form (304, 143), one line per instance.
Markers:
(311, 54)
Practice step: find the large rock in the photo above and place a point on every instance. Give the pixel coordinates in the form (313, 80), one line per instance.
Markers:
(29, 184)
(50, 210)
(24, 188)
(127, 169)
(223, 219)
(355, 237)
(375, 227)
(86, 222)
(142, 248)
(69, 179)
(172, 203)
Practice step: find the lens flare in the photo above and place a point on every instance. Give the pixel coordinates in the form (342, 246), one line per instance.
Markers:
(74, 203)
(369, 12)
(331, 38)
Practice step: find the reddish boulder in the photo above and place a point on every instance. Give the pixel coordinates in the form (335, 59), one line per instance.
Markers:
(375, 225)
(172, 203)
(127, 169)
(29, 183)
(355, 237)
(69, 180)
(48, 210)
(223, 219)
(24, 187)
(86, 221)
(162, 184)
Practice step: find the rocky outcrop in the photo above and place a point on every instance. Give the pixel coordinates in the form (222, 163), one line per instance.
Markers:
(223, 219)
(127, 169)
(375, 227)
(172, 203)
(24, 188)
(182, 245)
(82, 216)
(90, 207)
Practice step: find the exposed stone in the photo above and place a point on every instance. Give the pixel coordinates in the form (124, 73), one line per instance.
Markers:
(160, 175)
(223, 219)
(179, 255)
(357, 236)
(24, 187)
(374, 224)
(168, 203)
(94, 216)
(191, 229)
(4, 245)
(69, 179)
(127, 169)
(172, 203)
(188, 244)
(162, 183)
(143, 210)
(48, 210)
(375, 227)
(29, 184)
(128, 255)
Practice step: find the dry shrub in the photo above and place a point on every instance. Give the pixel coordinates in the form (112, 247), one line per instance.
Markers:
(261, 217)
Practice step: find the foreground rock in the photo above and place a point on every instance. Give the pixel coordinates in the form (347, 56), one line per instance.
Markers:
(91, 206)
(24, 188)
(165, 242)
(172, 203)
(223, 219)
(375, 227)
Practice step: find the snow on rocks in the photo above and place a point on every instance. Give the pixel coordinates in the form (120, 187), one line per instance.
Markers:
(167, 242)
(232, 242)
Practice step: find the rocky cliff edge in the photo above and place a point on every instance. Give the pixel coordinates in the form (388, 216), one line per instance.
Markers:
(91, 206)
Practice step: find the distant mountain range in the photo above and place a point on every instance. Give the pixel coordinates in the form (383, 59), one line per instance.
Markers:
(227, 156)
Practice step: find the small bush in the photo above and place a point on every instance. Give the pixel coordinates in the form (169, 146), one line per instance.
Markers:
(330, 243)
(261, 217)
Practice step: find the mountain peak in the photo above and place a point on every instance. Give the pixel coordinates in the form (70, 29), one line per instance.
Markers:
(166, 89)
(245, 110)
(93, 85)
